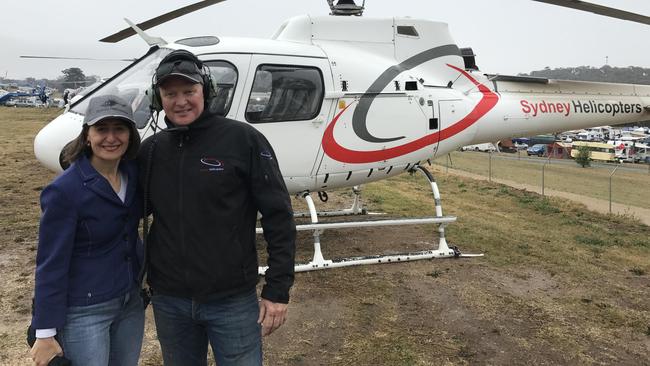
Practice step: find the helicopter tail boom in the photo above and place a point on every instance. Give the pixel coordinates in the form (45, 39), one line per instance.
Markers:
(547, 106)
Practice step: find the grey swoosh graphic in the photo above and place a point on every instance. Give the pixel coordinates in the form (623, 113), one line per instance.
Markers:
(361, 111)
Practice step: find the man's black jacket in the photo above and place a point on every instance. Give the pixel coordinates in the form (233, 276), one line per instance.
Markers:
(206, 184)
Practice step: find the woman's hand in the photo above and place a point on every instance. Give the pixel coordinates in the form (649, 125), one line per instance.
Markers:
(44, 350)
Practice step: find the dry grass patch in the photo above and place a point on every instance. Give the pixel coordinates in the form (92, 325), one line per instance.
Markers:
(558, 285)
(629, 185)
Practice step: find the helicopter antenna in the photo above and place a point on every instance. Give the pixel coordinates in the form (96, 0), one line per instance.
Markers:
(346, 7)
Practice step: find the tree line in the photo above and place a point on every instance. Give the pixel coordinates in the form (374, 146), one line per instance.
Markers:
(71, 78)
(606, 74)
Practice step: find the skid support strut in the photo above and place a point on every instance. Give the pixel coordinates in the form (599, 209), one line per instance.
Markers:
(319, 262)
(355, 209)
(442, 242)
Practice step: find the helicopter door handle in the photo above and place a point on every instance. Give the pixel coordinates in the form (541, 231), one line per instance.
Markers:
(433, 121)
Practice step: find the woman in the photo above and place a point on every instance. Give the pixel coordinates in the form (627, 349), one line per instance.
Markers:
(87, 306)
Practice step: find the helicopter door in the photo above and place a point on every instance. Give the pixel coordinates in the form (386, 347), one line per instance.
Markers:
(285, 97)
(451, 112)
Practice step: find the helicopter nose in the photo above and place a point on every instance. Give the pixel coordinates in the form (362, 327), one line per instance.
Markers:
(50, 140)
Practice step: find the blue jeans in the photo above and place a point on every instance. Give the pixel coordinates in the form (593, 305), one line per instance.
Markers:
(185, 327)
(108, 333)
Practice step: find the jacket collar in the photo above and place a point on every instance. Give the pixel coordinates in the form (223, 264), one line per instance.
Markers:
(98, 184)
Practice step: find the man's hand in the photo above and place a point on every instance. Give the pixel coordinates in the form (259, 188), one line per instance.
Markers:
(44, 350)
(272, 316)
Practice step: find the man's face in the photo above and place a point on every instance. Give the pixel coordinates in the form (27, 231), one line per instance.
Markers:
(182, 100)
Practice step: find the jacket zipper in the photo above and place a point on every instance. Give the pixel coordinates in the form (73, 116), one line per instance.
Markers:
(180, 207)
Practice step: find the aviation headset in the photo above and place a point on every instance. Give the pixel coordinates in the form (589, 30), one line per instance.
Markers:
(182, 62)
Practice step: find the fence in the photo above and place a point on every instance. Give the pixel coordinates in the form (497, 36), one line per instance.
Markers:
(626, 184)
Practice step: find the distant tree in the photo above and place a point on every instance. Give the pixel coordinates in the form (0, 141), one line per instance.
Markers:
(74, 77)
(30, 81)
(583, 158)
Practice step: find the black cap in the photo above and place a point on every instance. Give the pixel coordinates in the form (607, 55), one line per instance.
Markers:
(180, 67)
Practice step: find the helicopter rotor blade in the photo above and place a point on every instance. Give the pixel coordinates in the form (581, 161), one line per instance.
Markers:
(80, 58)
(600, 10)
(128, 32)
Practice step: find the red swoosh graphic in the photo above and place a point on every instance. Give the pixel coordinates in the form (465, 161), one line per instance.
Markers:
(337, 152)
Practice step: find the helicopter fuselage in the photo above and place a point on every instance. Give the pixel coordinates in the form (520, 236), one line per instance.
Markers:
(349, 100)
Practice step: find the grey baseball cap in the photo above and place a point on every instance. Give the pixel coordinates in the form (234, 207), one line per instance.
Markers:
(108, 106)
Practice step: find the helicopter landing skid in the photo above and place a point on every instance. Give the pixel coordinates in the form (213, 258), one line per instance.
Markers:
(319, 262)
(356, 208)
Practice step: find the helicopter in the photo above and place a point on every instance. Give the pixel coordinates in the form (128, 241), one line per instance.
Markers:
(39, 92)
(346, 100)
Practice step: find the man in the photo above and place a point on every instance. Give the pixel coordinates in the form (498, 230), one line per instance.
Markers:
(205, 178)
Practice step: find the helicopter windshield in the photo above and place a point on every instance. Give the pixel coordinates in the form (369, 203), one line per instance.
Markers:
(134, 82)
(132, 85)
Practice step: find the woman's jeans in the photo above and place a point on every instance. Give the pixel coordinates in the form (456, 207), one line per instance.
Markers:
(108, 333)
(185, 327)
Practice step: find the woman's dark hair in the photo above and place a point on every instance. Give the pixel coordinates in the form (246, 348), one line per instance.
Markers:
(75, 148)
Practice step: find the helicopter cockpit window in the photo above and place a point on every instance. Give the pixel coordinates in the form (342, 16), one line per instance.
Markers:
(285, 93)
(224, 80)
(132, 85)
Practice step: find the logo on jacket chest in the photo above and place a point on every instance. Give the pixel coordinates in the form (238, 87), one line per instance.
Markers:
(211, 165)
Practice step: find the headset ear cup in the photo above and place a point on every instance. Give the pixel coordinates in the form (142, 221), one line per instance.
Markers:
(154, 99)
(209, 90)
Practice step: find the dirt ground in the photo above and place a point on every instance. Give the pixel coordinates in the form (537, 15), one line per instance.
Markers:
(559, 284)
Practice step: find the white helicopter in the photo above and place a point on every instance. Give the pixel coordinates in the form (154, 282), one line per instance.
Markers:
(346, 100)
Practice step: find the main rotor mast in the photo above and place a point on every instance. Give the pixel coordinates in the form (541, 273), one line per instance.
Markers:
(346, 7)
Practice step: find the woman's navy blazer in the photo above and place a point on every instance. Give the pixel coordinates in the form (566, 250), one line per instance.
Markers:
(89, 250)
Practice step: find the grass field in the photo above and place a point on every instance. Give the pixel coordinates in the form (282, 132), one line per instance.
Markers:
(630, 183)
(559, 285)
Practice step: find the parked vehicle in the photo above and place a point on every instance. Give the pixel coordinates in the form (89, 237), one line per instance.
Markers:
(537, 149)
(486, 147)
(630, 151)
(521, 146)
(597, 150)
(643, 152)
(591, 135)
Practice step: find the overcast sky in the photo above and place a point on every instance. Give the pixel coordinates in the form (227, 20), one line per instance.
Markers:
(508, 36)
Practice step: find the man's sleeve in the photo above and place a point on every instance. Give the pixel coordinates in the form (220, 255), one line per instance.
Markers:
(273, 202)
(55, 244)
(145, 164)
